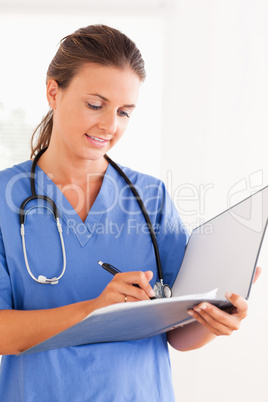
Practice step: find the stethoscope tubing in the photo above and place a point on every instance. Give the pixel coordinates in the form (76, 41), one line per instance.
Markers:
(145, 214)
(34, 196)
(22, 216)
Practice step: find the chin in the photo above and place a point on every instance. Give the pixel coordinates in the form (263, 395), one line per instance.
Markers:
(93, 156)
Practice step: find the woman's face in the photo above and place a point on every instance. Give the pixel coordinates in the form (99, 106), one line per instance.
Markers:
(92, 113)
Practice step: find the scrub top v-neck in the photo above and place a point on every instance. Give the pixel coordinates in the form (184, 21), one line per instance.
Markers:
(114, 231)
(82, 230)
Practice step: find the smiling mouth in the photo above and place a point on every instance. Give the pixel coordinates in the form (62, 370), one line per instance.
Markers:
(97, 139)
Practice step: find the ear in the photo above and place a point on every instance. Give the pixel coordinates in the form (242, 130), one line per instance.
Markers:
(52, 93)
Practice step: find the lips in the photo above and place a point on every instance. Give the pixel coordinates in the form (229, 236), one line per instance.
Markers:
(96, 141)
(96, 138)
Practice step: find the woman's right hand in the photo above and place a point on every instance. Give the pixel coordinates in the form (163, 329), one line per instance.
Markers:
(22, 329)
(121, 288)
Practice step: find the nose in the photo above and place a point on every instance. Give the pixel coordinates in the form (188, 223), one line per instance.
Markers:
(108, 122)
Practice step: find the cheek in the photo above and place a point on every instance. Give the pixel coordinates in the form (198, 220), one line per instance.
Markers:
(123, 126)
(120, 132)
(79, 122)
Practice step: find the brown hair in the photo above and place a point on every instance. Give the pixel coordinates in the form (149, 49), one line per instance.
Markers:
(98, 44)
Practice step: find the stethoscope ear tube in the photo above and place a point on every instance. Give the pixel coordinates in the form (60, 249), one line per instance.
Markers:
(37, 197)
(145, 214)
(159, 285)
(33, 195)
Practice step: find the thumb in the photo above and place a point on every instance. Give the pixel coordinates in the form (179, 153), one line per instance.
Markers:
(257, 274)
(149, 275)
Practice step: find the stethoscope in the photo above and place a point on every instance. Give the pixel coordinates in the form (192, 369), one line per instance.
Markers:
(161, 289)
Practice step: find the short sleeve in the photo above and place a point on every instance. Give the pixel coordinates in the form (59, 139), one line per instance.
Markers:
(5, 284)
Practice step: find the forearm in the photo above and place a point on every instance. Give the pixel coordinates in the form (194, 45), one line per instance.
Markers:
(189, 337)
(20, 329)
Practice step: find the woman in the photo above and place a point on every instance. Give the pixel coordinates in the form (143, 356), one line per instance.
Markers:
(92, 88)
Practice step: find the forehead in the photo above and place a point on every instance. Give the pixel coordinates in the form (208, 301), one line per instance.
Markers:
(106, 80)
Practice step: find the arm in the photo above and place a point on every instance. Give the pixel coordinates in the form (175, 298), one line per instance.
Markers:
(20, 329)
(210, 323)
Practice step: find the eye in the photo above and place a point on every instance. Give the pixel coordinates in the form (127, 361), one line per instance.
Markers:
(123, 114)
(94, 107)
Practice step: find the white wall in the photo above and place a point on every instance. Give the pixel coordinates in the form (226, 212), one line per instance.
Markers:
(201, 124)
(214, 137)
(23, 71)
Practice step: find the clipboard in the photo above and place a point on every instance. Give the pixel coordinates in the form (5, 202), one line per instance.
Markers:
(223, 252)
(221, 256)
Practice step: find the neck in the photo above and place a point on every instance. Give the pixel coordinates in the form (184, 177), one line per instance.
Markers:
(64, 169)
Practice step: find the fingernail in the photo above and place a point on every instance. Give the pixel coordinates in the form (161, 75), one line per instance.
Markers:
(152, 293)
(190, 312)
(228, 295)
(198, 309)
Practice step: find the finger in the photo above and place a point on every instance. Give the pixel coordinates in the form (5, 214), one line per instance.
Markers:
(212, 326)
(120, 292)
(149, 275)
(142, 280)
(134, 291)
(123, 283)
(257, 274)
(128, 299)
(117, 297)
(239, 302)
(218, 319)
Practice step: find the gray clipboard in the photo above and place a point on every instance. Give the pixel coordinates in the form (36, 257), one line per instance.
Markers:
(223, 252)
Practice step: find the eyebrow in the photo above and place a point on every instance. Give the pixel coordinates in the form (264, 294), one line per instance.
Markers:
(107, 100)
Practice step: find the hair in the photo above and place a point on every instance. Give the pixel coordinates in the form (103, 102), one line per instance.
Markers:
(97, 44)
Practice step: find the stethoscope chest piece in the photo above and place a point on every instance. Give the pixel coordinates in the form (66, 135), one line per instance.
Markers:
(162, 291)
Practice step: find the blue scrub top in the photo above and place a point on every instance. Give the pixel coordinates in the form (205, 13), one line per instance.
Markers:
(114, 231)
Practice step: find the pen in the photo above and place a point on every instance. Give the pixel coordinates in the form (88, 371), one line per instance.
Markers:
(113, 270)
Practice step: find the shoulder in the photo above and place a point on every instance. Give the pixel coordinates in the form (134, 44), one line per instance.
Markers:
(14, 182)
(151, 190)
(142, 180)
(19, 170)
(153, 193)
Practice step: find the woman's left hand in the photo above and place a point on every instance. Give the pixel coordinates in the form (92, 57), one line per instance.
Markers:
(220, 322)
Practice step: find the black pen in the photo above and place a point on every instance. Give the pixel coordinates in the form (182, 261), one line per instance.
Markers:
(113, 270)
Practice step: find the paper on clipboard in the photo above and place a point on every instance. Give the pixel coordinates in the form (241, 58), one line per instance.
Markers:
(126, 322)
